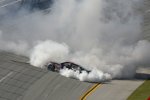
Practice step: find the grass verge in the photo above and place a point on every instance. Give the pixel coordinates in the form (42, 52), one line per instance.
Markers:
(142, 92)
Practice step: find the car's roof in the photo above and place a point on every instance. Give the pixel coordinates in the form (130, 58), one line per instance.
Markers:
(52, 62)
(71, 63)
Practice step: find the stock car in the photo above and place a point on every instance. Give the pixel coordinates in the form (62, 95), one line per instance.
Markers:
(56, 67)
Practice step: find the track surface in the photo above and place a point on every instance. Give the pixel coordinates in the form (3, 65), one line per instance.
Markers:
(21, 81)
(115, 90)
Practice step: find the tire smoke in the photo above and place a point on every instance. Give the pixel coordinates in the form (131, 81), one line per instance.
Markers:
(104, 36)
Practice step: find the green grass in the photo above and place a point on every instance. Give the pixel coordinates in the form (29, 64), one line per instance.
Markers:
(142, 92)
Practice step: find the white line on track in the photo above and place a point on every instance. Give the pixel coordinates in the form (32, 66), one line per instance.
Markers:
(5, 76)
(10, 3)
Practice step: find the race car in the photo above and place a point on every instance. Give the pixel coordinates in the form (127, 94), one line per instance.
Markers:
(56, 67)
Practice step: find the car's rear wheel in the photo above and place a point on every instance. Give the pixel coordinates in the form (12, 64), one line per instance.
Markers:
(51, 67)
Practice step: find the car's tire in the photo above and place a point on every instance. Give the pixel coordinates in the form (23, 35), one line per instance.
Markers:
(51, 67)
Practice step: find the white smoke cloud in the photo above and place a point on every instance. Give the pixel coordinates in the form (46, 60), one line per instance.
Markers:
(19, 47)
(102, 35)
(47, 51)
(93, 76)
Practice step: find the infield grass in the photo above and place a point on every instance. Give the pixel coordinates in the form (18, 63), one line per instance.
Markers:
(142, 92)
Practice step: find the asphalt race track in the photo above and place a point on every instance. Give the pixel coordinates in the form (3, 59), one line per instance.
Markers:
(21, 81)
